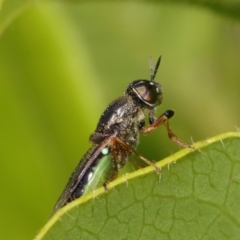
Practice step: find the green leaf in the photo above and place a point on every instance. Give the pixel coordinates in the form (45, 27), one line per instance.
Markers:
(197, 197)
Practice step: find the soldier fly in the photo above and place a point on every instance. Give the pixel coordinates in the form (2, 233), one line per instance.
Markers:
(116, 137)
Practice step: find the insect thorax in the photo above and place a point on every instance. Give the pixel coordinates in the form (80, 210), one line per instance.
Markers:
(122, 116)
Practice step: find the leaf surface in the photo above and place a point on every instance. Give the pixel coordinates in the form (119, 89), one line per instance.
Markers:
(197, 197)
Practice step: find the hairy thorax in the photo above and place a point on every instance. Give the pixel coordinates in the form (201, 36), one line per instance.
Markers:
(121, 116)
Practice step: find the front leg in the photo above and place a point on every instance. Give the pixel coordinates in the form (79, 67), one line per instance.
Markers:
(164, 119)
(152, 116)
(156, 122)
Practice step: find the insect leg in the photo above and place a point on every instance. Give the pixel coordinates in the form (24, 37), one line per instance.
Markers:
(131, 149)
(155, 123)
(163, 119)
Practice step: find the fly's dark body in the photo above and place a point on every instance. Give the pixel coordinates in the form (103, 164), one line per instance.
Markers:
(123, 116)
(117, 135)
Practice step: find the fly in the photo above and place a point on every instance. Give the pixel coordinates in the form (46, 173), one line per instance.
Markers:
(116, 137)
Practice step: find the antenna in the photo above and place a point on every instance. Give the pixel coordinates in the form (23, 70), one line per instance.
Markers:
(153, 71)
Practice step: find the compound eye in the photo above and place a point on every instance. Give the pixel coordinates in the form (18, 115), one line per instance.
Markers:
(149, 92)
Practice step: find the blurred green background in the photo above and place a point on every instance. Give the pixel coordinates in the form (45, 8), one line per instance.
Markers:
(61, 64)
